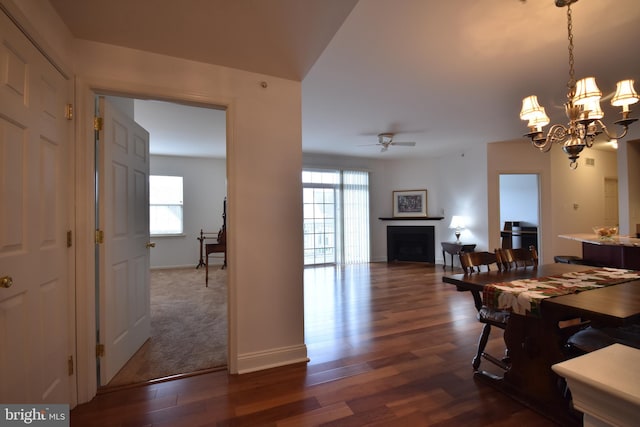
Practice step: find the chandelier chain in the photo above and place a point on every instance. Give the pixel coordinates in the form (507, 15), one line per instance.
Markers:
(571, 84)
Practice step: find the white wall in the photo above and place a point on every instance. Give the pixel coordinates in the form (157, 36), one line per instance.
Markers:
(264, 161)
(455, 184)
(467, 183)
(561, 188)
(578, 196)
(205, 188)
(462, 190)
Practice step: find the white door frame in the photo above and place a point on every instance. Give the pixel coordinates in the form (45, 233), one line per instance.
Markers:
(86, 90)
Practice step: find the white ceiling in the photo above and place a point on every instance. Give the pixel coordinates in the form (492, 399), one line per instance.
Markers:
(182, 130)
(445, 74)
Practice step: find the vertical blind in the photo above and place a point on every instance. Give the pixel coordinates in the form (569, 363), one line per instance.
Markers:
(355, 217)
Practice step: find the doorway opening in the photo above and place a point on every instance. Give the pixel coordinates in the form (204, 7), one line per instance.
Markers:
(520, 210)
(187, 141)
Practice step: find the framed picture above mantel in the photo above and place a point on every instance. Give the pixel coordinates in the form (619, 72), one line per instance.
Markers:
(410, 204)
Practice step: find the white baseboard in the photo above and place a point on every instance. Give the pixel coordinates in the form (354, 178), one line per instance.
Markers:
(251, 362)
(168, 267)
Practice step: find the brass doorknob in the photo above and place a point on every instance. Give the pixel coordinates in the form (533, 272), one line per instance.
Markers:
(151, 245)
(6, 282)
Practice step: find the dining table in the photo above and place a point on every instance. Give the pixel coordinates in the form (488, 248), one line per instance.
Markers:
(549, 303)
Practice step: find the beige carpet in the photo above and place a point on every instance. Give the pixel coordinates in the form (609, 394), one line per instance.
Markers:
(188, 326)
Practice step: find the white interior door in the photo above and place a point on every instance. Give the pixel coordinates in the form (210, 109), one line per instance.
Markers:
(36, 341)
(123, 176)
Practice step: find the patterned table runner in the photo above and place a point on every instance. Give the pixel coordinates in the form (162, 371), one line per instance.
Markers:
(524, 296)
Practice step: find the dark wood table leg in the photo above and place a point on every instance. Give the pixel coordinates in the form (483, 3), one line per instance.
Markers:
(534, 345)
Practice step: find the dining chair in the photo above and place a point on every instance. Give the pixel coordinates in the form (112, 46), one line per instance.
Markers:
(509, 258)
(592, 338)
(475, 263)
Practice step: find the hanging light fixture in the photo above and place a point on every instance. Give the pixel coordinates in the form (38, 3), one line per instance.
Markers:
(582, 108)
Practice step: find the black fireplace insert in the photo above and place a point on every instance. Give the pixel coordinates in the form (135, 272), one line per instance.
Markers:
(411, 243)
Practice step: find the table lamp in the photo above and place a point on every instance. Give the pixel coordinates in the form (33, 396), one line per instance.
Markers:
(457, 222)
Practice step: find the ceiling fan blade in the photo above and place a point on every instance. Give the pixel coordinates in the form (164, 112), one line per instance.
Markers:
(406, 144)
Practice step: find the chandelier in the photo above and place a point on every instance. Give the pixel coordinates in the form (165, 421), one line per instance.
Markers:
(582, 109)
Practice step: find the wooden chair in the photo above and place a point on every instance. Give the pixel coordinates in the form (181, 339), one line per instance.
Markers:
(473, 263)
(509, 258)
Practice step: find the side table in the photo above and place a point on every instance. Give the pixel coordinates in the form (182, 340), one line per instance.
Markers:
(455, 248)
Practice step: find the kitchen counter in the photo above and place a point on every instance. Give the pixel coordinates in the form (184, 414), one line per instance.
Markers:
(592, 238)
(616, 251)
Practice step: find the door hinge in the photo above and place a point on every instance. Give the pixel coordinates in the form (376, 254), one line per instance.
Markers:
(69, 239)
(97, 123)
(99, 237)
(70, 365)
(99, 350)
(68, 111)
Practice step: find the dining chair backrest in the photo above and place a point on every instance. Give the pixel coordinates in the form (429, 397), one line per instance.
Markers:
(473, 262)
(509, 258)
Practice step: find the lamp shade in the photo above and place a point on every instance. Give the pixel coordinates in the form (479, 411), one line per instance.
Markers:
(625, 94)
(457, 222)
(531, 109)
(586, 91)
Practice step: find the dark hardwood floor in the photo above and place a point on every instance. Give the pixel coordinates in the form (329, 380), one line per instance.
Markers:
(390, 345)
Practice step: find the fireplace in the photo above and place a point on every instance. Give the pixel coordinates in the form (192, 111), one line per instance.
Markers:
(411, 243)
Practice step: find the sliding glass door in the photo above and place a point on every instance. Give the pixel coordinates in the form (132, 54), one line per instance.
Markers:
(336, 217)
(319, 226)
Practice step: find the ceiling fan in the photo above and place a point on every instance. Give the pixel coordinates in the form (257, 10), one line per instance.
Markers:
(386, 139)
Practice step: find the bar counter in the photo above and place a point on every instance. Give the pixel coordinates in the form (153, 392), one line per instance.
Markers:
(615, 251)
